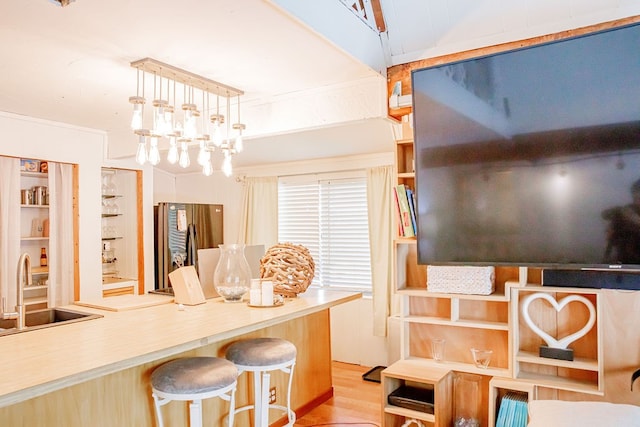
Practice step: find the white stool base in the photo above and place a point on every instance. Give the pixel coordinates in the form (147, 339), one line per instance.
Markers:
(261, 383)
(195, 405)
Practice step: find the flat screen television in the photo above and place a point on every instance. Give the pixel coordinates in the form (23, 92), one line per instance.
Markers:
(531, 157)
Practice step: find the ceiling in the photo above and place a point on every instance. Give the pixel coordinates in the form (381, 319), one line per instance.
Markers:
(313, 74)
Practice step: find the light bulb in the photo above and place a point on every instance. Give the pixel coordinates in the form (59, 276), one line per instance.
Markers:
(184, 155)
(168, 120)
(154, 154)
(203, 154)
(191, 113)
(136, 118)
(227, 169)
(158, 117)
(217, 134)
(239, 146)
(207, 169)
(141, 154)
(172, 156)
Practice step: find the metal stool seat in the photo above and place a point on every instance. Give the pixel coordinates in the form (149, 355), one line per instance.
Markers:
(261, 356)
(193, 379)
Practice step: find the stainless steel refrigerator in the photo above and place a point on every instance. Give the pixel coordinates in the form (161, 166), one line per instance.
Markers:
(180, 230)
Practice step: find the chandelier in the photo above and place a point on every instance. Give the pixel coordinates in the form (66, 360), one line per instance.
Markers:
(186, 110)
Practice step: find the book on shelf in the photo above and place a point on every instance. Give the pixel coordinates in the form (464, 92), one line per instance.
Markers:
(411, 196)
(397, 211)
(513, 410)
(405, 214)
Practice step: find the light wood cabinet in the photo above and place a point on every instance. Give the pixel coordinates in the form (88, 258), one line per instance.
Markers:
(415, 374)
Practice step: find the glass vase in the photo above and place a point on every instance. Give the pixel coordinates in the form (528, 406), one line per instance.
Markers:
(467, 400)
(232, 277)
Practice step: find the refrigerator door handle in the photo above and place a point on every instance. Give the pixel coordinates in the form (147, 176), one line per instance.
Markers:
(192, 245)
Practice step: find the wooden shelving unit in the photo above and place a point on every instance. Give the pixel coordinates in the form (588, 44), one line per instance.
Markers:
(481, 321)
(584, 373)
(34, 238)
(122, 232)
(414, 373)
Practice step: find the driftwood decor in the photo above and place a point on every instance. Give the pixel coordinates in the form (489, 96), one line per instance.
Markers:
(289, 266)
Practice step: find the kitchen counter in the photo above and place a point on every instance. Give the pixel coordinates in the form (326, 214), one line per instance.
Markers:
(42, 362)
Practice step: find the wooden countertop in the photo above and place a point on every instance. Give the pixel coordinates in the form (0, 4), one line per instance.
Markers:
(41, 361)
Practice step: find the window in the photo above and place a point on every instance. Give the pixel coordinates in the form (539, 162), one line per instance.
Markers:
(329, 217)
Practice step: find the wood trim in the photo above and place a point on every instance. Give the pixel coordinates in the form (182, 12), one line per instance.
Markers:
(378, 15)
(402, 72)
(140, 222)
(118, 291)
(76, 231)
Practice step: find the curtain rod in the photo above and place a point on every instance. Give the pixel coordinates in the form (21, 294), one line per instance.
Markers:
(242, 178)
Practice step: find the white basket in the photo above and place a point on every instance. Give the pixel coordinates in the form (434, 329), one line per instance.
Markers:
(461, 279)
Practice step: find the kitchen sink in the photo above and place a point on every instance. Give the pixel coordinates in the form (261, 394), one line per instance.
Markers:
(46, 318)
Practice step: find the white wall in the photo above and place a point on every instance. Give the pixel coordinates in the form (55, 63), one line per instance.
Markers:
(352, 339)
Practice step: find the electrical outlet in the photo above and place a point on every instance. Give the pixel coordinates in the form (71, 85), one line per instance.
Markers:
(272, 395)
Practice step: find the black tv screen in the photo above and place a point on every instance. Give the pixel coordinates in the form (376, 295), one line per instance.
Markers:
(531, 157)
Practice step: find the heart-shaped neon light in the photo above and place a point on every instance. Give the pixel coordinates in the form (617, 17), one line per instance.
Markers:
(558, 305)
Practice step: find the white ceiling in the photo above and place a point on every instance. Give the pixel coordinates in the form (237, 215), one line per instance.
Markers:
(71, 64)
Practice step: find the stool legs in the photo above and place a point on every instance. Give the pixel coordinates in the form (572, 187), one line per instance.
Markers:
(195, 413)
(195, 409)
(290, 414)
(261, 384)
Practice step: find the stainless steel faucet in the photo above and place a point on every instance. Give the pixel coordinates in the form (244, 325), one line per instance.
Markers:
(23, 277)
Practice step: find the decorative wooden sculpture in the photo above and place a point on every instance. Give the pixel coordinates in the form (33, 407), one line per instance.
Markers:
(289, 266)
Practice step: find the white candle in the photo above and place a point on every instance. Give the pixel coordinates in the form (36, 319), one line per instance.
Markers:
(255, 283)
(267, 292)
(255, 297)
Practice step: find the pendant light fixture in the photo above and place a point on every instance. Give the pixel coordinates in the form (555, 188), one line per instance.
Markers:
(191, 127)
(238, 146)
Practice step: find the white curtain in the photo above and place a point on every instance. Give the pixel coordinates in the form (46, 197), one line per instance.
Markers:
(9, 228)
(259, 221)
(379, 201)
(61, 277)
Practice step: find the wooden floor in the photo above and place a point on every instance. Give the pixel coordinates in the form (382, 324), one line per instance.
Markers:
(355, 402)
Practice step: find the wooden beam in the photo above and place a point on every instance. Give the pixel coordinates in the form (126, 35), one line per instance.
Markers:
(378, 16)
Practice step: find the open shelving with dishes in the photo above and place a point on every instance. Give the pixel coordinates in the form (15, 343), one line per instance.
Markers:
(34, 230)
(122, 253)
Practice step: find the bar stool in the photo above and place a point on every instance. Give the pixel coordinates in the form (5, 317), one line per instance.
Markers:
(194, 379)
(261, 356)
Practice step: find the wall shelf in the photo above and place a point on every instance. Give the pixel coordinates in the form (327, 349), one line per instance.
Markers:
(585, 373)
(26, 174)
(479, 324)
